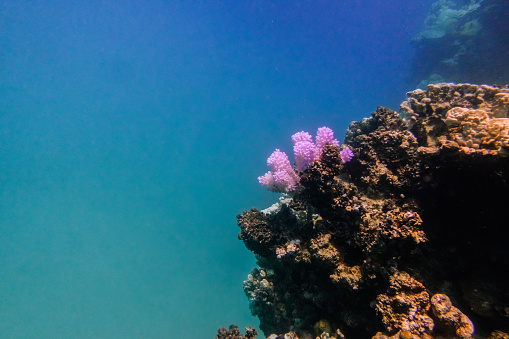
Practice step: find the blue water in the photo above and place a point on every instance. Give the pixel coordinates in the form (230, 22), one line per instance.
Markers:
(132, 133)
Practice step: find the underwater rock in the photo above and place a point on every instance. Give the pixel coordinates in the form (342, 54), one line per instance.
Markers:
(450, 319)
(498, 335)
(417, 212)
(234, 333)
(405, 305)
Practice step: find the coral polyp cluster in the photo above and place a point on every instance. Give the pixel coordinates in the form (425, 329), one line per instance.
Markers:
(283, 178)
(403, 241)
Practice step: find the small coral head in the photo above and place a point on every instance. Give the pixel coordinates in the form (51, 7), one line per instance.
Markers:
(304, 152)
(324, 136)
(278, 160)
(301, 136)
(346, 155)
(282, 178)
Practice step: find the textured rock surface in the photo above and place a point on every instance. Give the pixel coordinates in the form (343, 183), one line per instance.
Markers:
(473, 118)
(450, 319)
(234, 333)
(383, 245)
(405, 306)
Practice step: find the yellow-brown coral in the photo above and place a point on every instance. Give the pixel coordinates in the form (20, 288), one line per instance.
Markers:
(473, 128)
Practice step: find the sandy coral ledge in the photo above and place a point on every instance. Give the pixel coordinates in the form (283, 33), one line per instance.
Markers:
(407, 240)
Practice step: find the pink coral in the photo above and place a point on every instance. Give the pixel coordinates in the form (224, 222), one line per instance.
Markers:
(301, 136)
(303, 150)
(324, 136)
(282, 178)
(346, 155)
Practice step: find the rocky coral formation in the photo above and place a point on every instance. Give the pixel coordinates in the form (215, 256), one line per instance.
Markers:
(463, 40)
(234, 333)
(405, 306)
(475, 118)
(450, 319)
(386, 244)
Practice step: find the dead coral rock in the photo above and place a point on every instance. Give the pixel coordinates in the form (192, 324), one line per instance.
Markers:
(266, 301)
(385, 165)
(449, 318)
(402, 335)
(258, 287)
(500, 106)
(350, 276)
(498, 335)
(389, 224)
(405, 305)
(256, 231)
(324, 251)
(234, 333)
(289, 335)
(386, 151)
(263, 232)
(291, 248)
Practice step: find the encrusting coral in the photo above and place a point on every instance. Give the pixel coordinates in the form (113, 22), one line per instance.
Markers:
(405, 240)
(475, 117)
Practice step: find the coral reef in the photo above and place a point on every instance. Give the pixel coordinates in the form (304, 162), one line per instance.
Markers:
(405, 240)
(463, 40)
(234, 333)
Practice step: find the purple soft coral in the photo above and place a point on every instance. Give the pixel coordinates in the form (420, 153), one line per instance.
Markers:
(303, 150)
(346, 155)
(282, 178)
(324, 136)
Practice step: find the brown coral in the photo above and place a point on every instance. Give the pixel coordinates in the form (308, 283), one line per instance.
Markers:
(469, 117)
(405, 305)
(500, 105)
(234, 333)
(450, 319)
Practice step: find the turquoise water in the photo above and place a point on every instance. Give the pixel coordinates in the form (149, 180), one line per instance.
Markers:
(132, 133)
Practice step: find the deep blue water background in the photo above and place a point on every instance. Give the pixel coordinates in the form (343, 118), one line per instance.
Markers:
(132, 133)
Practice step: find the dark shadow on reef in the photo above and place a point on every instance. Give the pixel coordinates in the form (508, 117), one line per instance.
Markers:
(407, 240)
